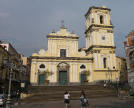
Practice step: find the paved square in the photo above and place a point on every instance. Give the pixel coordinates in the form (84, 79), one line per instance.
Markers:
(94, 103)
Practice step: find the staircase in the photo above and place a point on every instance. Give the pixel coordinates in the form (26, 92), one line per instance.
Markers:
(57, 92)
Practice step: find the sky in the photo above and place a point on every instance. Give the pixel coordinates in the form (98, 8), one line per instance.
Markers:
(25, 23)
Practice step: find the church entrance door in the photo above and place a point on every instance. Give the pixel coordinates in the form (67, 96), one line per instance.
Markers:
(83, 78)
(41, 79)
(63, 77)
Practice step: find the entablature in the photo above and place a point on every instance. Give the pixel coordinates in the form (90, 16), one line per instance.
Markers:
(71, 37)
(99, 46)
(91, 28)
(62, 58)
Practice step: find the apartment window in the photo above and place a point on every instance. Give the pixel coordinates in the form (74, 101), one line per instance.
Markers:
(104, 62)
(62, 52)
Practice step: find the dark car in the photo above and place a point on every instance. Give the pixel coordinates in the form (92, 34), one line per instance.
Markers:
(13, 94)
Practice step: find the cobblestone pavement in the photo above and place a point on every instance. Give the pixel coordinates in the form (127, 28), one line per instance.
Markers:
(94, 103)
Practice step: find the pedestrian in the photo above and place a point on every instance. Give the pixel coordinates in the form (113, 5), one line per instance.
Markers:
(18, 95)
(83, 100)
(105, 85)
(82, 95)
(66, 99)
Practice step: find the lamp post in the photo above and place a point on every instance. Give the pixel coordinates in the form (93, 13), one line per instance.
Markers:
(8, 105)
(38, 80)
(10, 65)
(108, 75)
(3, 89)
(117, 79)
(22, 70)
(111, 76)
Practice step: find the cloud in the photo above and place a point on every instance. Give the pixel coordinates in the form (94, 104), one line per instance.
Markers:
(4, 14)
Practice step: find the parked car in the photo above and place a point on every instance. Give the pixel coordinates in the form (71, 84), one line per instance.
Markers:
(131, 92)
(13, 94)
(2, 100)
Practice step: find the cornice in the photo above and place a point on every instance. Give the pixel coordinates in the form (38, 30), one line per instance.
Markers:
(106, 70)
(48, 36)
(62, 58)
(93, 7)
(96, 25)
(99, 46)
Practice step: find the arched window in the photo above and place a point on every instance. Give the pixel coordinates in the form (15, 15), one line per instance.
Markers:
(104, 62)
(101, 19)
(103, 37)
(82, 66)
(42, 66)
(92, 20)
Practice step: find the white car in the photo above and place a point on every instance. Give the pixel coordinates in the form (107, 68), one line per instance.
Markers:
(2, 100)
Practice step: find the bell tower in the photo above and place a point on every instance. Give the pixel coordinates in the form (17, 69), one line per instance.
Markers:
(100, 41)
(99, 29)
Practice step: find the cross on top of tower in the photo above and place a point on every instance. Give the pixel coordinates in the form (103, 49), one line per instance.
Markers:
(62, 24)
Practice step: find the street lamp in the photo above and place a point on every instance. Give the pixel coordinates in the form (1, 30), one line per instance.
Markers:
(117, 80)
(3, 88)
(22, 70)
(9, 90)
(109, 75)
(10, 65)
(117, 88)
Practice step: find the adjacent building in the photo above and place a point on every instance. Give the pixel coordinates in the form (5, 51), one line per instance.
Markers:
(122, 70)
(11, 59)
(26, 66)
(129, 49)
(64, 64)
(3, 71)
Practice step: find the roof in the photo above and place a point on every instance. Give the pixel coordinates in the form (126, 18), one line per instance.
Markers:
(62, 33)
(94, 7)
(121, 57)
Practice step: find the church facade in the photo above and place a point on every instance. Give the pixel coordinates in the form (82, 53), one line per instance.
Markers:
(64, 64)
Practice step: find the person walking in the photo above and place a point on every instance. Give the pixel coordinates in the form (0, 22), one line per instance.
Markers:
(105, 85)
(83, 100)
(18, 95)
(82, 95)
(66, 99)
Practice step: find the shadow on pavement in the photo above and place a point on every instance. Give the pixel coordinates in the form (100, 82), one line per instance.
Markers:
(124, 104)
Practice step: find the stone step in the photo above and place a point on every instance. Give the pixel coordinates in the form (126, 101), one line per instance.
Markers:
(65, 88)
(57, 92)
(72, 91)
